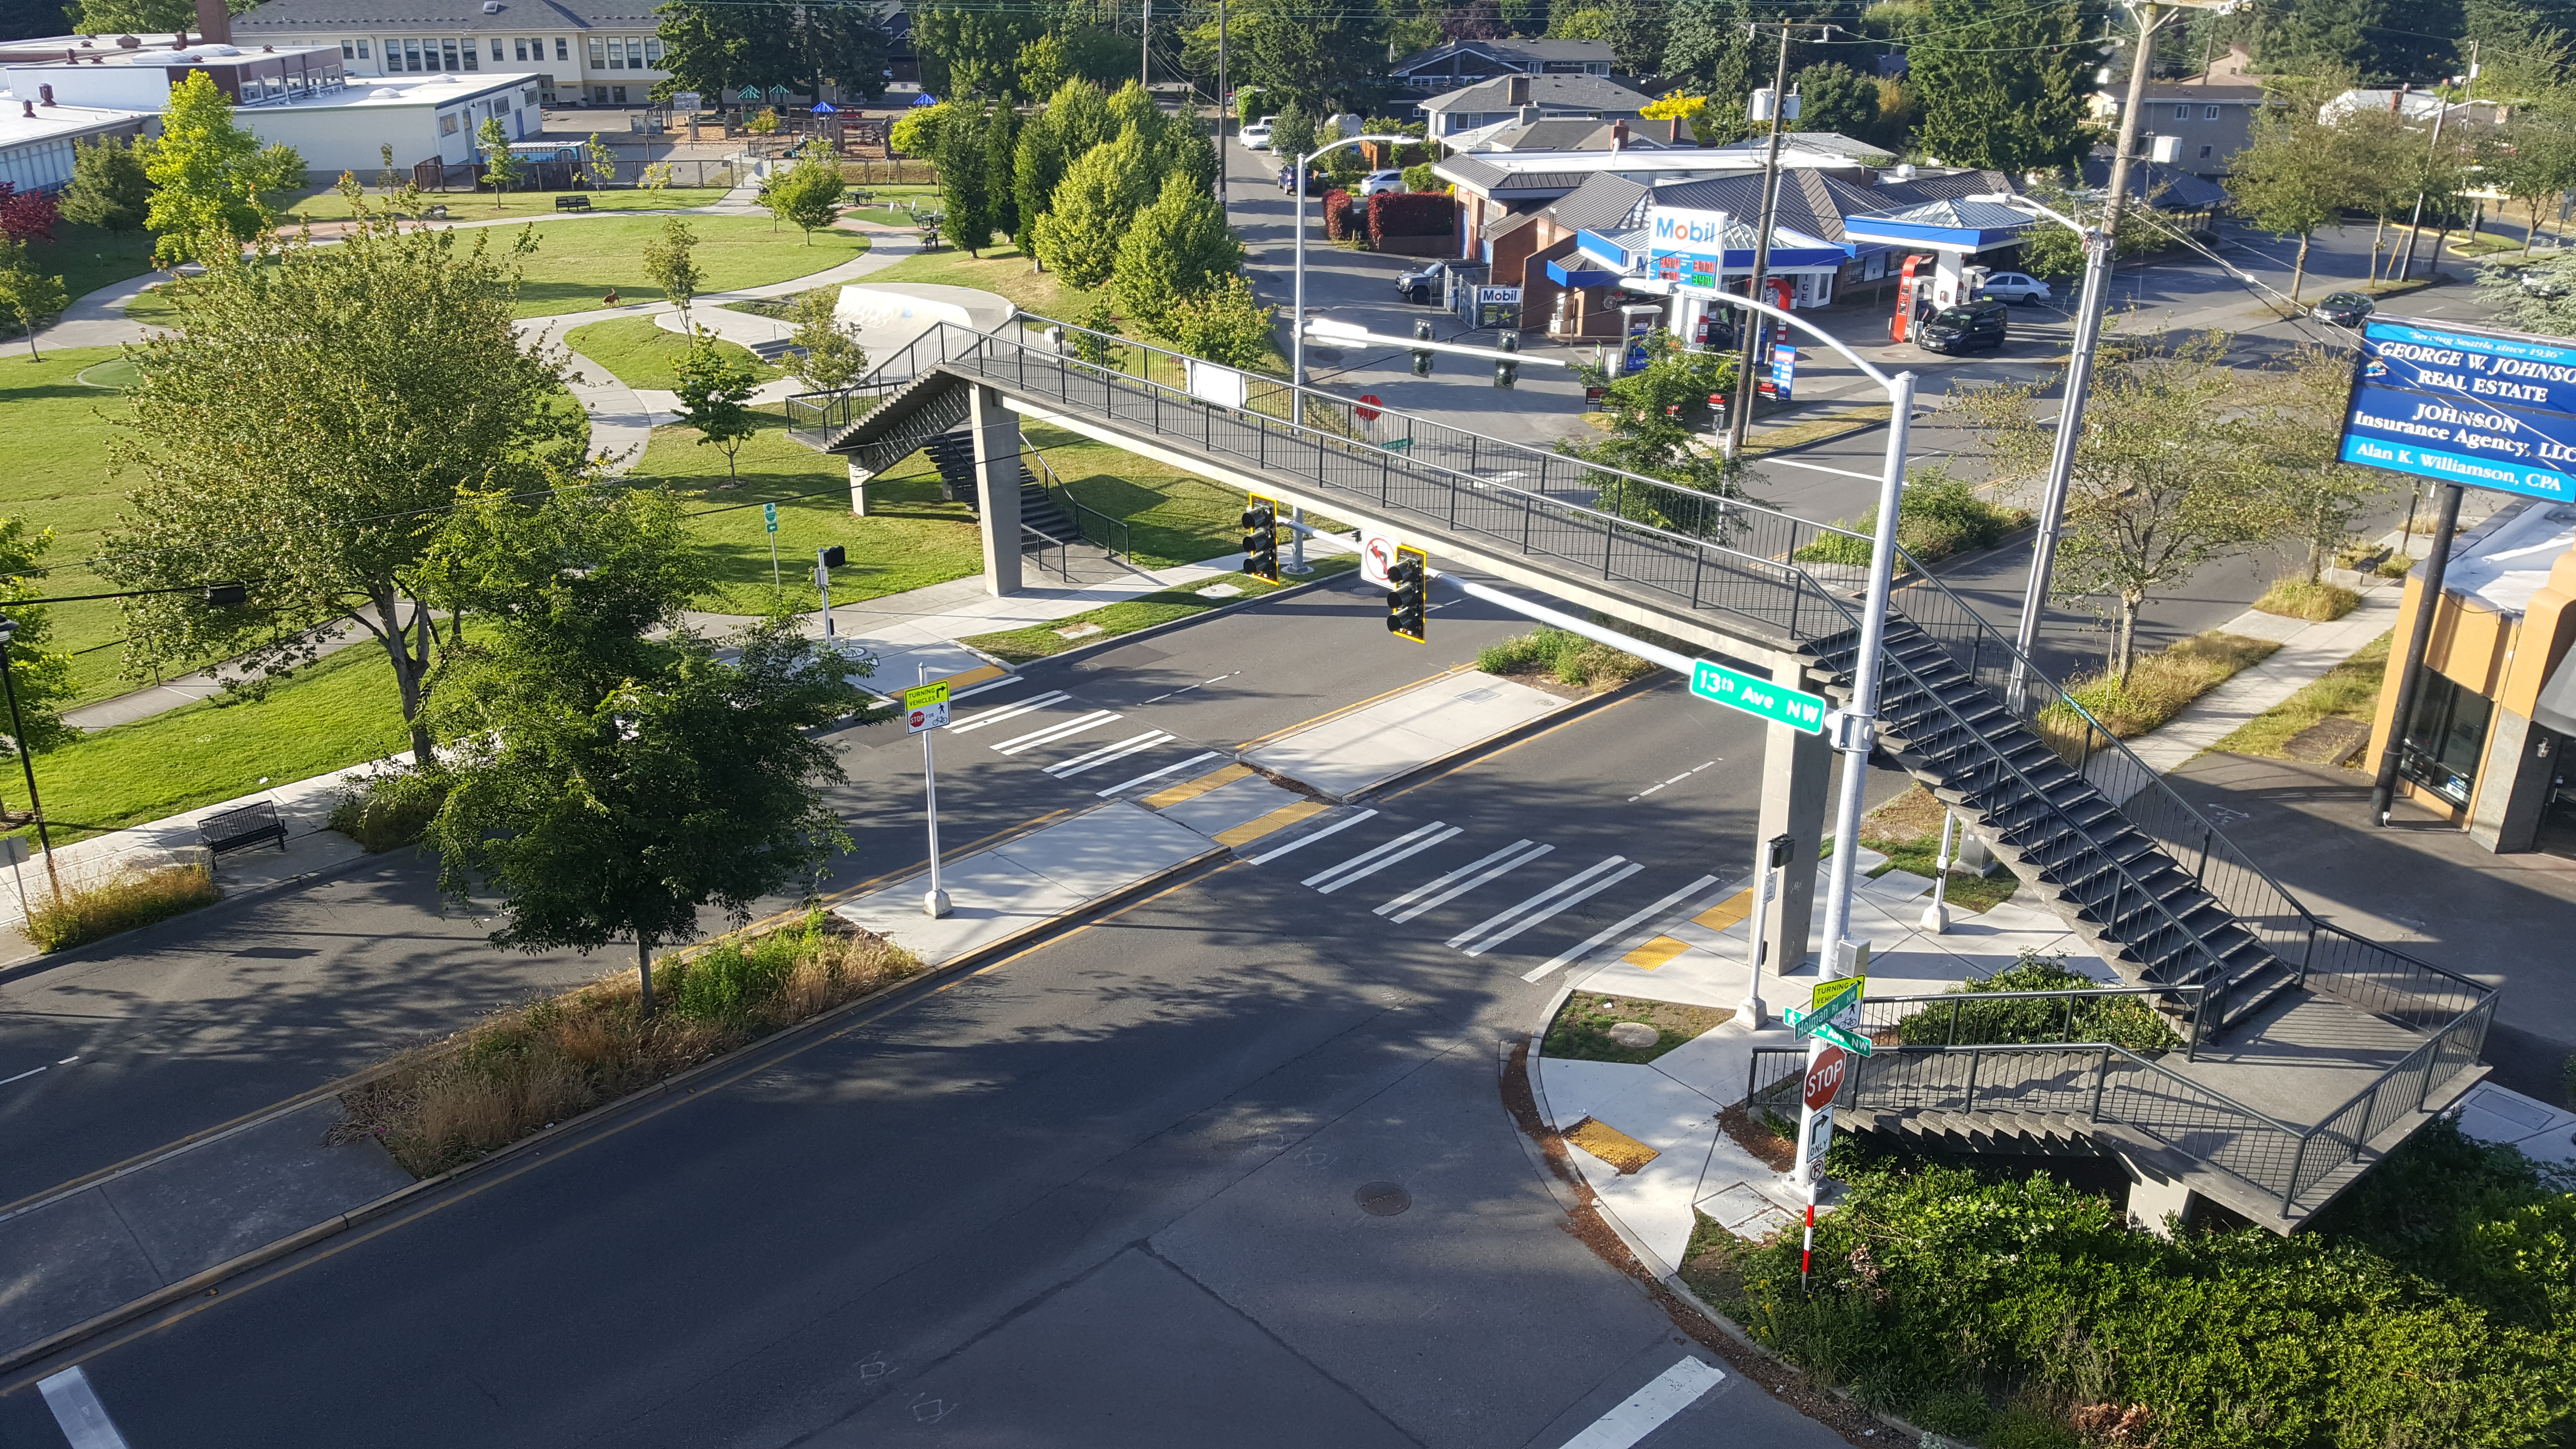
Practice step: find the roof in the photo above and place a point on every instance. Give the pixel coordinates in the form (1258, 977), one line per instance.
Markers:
(161, 59)
(1824, 143)
(2167, 188)
(1564, 133)
(1935, 185)
(2191, 91)
(1564, 92)
(303, 17)
(1525, 52)
(1542, 174)
(53, 123)
(2509, 560)
(1603, 203)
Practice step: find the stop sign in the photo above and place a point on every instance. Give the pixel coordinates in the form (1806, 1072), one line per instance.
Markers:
(1824, 1077)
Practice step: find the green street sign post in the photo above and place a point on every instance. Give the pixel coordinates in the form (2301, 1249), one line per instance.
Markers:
(769, 516)
(1757, 696)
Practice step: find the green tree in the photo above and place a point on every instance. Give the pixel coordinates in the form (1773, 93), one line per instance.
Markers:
(715, 391)
(670, 260)
(1000, 168)
(1037, 168)
(1708, 52)
(964, 195)
(1042, 66)
(43, 677)
(26, 293)
(622, 817)
(303, 422)
(2316, 498)
(1132, 108)
(916, 131)
(2382, 41)
(1646, 436)
(1078, 237)
(1293, 134)
(1834, 97)
(501, 167)
(1222, 324)
(131, 17)
(1079, 116)
(2004, 89)
(1319, 50)
(210, 177)
(717, 47)
(2294, 175)
(598, 161)
(108, 188)
(828, 356)
(971, 52)
(808, 195)
(1177, 248)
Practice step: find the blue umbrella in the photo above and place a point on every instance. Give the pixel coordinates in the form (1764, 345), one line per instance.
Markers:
(925, 98)
(826, 108)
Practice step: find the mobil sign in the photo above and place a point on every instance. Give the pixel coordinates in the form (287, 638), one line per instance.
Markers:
(1685, 229)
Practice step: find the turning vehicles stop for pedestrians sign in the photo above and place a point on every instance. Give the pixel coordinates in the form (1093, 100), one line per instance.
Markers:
(925, 708)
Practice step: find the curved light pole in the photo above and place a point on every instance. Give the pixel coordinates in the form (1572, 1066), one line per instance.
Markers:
(1297, 324)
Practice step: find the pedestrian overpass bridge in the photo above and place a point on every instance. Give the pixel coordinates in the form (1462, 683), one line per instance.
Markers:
(2317, 1051)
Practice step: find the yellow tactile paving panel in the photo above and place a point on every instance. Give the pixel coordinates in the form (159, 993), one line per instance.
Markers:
(1279, 819)
(972, 677)
(1611, 1145)
(1726, 912)
(1193, 789)
(1655, 953)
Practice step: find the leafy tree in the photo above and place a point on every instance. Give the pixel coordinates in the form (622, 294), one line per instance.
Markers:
(1647, 437)
(971, 52)
(1132, 108)
(1319, 50)
(108, 188)
(828, 355)
(210, 177)
(1042, 66)
(1178, 248)
(302, 424)
(131, 17)
(2004, 89)
(598, 161)
(1078, 237)
(963, 191)
(1707, 51)
(27, 215)
(1184, 154)
(1834, 97)
(44, 679)
(2549, 308)
(2293, 176)
(1037, 168)
(1001, 169)
(1079, 116)
(26, 293)
(916, 131)
(717, 47)
(501, 166)
(764, 124)
(715, 390)
(1222, 324)
(808, 196)
(2316, 498)
(2383, 41)
(621, 817)
(670, 260)
(1293, 134)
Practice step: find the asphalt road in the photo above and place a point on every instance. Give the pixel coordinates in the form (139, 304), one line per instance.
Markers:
(1100, 1193)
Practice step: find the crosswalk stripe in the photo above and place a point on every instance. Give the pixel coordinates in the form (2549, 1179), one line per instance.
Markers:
(1464, 886)
(1369, 862)
(1106, 754)
(995, 716)
(1545, 904)
(1607, 933)
(1310, 837)
(1064, 731)
(1198, 759)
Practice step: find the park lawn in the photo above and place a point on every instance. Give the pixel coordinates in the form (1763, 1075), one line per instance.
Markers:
(326, 204)
(640, 353)
(87, 258)
(894, 205)
(1001, 270)
(1172, 517)
(910, 540)
(59, 480)
(1163, 606)
(341, 711)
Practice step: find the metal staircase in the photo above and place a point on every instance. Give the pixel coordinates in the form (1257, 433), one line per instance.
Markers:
(2348, 1044)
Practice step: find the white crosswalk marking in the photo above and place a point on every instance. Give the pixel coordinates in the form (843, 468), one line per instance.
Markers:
(1646, 1410)
(1311, 836)
(77, 1411)
(1064, 731)
(1544, 905)
(1593, 942)
(1106, 755)
(1198, 759)
(1369, 862)
(1008, 711)
(1519, 858)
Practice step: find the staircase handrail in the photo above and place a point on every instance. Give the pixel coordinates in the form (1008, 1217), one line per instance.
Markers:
(1960, 1000)
(1852, 1082)
(1117, 540)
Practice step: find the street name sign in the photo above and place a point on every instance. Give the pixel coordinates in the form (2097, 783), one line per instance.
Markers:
(2470, 405)
(769, 516)
(925, 707)
(1757, 696)
(1807, 1023)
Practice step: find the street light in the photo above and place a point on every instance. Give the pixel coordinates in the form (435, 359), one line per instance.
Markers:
(1297, 327)
(18, 733)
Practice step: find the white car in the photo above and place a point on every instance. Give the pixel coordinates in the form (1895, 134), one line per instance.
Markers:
(1377, 181)
(2014, 287)
(1256, 137)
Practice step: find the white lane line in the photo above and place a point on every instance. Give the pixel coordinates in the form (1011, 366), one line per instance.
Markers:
(22, 1076)
(1821, 468)
(77, 1410)
(1186, 688)
(1021, 744)
(1593, 942)
(1427, 887)
(1198, 759)
(1464, 886)
(1310, 837)
(1008, 711)
(1643, 1412)
(1675, 780)
(1497, 921)
(1067, 769)
(1362, 866)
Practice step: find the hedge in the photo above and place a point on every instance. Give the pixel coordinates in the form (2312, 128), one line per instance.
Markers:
(1337, 215)
(1411, 213)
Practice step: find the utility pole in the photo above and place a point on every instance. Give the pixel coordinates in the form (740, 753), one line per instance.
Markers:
(1753, 329)
(1224, 110)
(1145, 49)
(2415, 224)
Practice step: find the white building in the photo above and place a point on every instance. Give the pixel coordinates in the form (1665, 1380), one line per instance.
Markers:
(36, 138)
(581, 52)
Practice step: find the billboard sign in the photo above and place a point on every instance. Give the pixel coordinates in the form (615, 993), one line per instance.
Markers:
(2468, 405)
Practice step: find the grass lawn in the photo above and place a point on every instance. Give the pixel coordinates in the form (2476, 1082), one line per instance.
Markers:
(640, 352)
(888, 204)
(1581, 1031)
(2299, 599)
(326, 204)
(2349, 691)
(2160, 684)
(1001, 270)
(1017, 646)
(60, 481)
(87, 259)
(1172, 518)
(340, 712)
(578, 262)
(910, 539)
(1907, 830)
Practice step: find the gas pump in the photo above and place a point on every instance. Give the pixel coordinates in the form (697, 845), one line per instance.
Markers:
(1901, 326)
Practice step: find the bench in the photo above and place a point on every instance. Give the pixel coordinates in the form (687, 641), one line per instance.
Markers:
(435, 213)
(572, 203)
(242, 828)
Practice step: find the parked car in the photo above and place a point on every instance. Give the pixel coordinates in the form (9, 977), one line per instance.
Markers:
(2343, 309)
(1377, 181)
(1256, 137)
(1965, 328)
(2015, 287)
(1425, 286)
(1316, 183)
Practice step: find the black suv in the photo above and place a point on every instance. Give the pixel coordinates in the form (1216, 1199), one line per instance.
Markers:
(1427, 286)
(1965, 328)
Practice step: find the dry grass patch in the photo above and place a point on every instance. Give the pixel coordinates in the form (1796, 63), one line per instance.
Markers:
(2349, 691)
(524, 1070)
(2160, 684)
(134, 898)
(1569, 659)
(1907, 830)
(2299, 599)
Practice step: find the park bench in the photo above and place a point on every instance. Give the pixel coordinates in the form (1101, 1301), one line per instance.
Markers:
(572, 203)
(242, 828)
(435, 213)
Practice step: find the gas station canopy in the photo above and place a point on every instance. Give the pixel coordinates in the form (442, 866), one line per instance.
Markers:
(1964, 227)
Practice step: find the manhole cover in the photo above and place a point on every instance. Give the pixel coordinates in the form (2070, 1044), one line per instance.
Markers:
(1382, 1199)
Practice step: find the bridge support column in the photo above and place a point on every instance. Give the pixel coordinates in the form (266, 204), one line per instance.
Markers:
(997, 489)
(1795, 769)
(2153, 1199)
(859, 490)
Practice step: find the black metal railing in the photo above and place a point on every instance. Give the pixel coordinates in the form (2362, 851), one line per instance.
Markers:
(1956, 1018)
(1106, 530)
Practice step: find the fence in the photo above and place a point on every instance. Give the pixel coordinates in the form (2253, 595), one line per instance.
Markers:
(1094, 526)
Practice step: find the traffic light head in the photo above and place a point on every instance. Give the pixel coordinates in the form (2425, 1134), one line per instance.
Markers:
(1421, 355)
(1261, 538)
(1408, 595)
(833, 557)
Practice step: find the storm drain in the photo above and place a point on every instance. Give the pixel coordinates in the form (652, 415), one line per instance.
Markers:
(1382, 1199)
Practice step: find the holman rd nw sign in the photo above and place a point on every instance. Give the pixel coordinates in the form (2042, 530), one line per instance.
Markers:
(1755, 695)
(2468, 405)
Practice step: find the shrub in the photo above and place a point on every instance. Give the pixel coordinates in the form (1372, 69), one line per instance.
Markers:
(383, 811)
(1575, 661)
(1411, 213)
(1936, 516)
(1421, 179)
(84, 914)
(2122, 1021)
(1337, 215)
(2299, 599)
